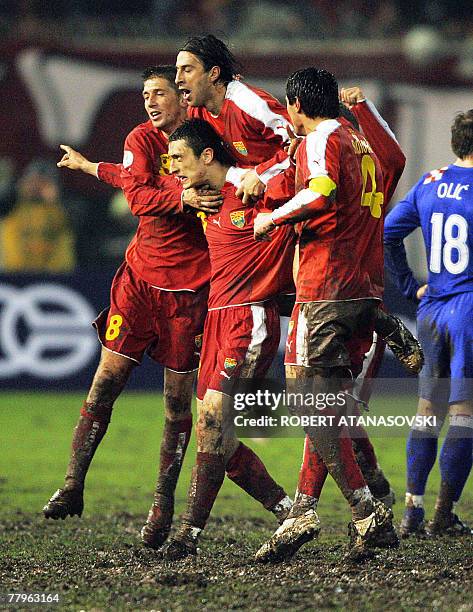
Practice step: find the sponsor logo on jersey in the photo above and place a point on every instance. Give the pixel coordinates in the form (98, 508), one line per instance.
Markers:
(237, 217)
(198, 341)
(230, 364)
(240, 147)
(434, 175)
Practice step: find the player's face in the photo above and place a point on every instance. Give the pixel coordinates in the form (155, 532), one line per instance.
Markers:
(188, 168)
(292, 110)
(192, 79)
(162, 103)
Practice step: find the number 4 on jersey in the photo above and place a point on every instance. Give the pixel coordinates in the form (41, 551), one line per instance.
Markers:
(374, 199)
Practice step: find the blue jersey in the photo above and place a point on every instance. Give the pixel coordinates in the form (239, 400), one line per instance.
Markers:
(441, 203)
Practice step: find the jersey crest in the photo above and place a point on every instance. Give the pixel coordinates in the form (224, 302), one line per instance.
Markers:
(434, 175)
(165, 164)
(230, 364)
(240, 147)
(237, 217)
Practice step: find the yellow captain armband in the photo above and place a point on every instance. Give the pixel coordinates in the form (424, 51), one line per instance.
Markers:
(323, 185)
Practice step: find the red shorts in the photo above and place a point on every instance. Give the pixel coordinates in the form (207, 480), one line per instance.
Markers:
(168, 325)
(239, 342)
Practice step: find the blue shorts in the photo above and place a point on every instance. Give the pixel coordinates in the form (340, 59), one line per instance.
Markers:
(445, 331)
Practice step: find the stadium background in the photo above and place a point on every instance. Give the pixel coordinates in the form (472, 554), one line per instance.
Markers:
(70, 73)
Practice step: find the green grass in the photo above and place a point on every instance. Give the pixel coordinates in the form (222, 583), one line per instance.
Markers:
(98, 563)
(37, 430)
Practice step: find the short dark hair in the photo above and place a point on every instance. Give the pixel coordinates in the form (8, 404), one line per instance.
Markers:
(349, 116)
(200, 135)
(211, 51)
(317, 91)
(462, 134)
(167, 72)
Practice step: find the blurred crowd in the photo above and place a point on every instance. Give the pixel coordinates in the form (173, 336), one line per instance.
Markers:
(45, 227)
(237, 19)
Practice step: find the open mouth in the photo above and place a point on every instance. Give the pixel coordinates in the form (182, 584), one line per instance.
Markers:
(155, 115)
(185, 93)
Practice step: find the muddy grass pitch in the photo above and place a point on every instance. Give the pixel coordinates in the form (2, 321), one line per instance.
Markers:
(99, 564)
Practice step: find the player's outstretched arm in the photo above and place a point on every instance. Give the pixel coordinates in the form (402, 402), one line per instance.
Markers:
(74, 160)
(379, 135)
(105, 171)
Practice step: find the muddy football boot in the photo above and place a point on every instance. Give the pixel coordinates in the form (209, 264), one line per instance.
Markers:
(405, 347)
(374, 531)
(289, 537)
(65, 502)
(389, 499)
(447, 524)
(158, 524)
(412, 523)
(177, 549)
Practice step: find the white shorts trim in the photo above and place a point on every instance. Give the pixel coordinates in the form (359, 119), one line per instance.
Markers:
(179, 372)
(121, 354)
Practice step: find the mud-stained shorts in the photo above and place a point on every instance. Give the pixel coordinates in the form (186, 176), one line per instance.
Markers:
(168, 325)
(331, 334)
(239, 342)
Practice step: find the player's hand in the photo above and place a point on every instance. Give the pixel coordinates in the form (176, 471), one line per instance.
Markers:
(206, 200)
(262, 226)
(295, 141)
(421, 291)
(74, 160)
(251, 188)
(351, 95)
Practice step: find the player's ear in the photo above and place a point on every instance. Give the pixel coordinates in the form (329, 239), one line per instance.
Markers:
(297, 105)
(214, 74)
(207, 155)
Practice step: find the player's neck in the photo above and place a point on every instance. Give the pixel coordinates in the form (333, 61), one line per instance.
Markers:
(216, 176)
(215, 101)
(169, 129)
(311, 124)
(466, 162)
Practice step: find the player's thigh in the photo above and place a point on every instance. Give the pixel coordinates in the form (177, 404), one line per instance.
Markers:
(320, 332)
(179, 326)
(127, 326)
(459, 333)
(239, 342)
(434, 383)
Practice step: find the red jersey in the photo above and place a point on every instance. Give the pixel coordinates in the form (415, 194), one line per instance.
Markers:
(169, 250)
(339, 216)
(244, 271)
(254, 124)
(384, 144)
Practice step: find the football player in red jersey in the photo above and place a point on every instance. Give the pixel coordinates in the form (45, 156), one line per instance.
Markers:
(253, 123)
(338, 215)
(158, 302)
(241, 334)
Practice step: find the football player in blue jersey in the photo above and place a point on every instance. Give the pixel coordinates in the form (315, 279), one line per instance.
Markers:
(441, 203)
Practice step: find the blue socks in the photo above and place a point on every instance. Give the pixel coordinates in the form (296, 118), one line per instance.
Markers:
(421, 454)
(456, 458)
